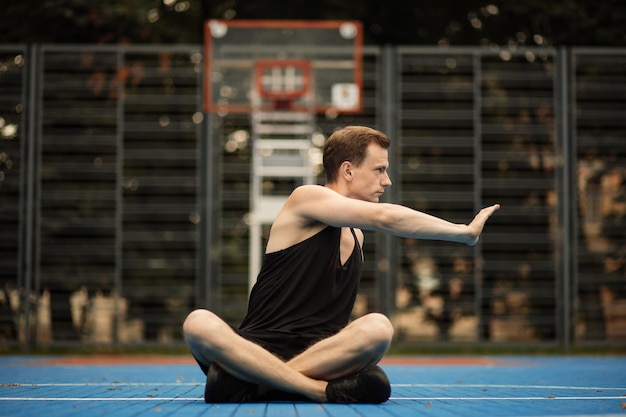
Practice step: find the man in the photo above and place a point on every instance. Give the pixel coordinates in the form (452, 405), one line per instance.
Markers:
(296, 341)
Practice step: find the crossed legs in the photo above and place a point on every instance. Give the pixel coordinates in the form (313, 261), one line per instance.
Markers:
(360, 344)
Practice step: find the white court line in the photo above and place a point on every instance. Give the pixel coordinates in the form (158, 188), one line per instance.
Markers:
(104, 384)
(504, 386)
(197, 384)
(125, 399)
(551, 398)
(168, 399)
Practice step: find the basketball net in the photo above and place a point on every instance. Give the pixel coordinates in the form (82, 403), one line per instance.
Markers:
(280, 83)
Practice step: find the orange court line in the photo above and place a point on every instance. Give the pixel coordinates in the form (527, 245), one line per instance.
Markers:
(112, 359)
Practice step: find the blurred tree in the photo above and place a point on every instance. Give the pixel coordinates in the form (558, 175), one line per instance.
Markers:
(445, 22)
(116, 21)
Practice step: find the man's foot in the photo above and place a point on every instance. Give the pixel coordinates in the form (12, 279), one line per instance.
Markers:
(221, 387)
(369, 386)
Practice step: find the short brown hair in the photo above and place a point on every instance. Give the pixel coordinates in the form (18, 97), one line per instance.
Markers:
(350, 144)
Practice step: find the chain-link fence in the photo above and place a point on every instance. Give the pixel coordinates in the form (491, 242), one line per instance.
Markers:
(123, 205)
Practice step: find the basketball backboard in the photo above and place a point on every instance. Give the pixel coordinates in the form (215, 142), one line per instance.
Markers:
(283, 64)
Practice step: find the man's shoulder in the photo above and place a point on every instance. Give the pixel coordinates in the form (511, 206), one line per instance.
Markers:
(298, 219)
(302, 201)
(309, 188)
(312, 191)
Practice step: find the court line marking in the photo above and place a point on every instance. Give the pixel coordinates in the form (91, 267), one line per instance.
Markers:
(197, 384)
(168, 399)
(508, 386)
(122, 399)
(505, 398)
(102, 384)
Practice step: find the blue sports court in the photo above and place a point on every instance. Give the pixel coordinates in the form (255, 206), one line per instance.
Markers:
(504, 386)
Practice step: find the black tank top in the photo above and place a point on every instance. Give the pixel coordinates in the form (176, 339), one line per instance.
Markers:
(303, 294)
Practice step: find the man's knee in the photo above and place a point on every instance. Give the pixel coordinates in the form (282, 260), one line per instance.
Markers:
(382, 326)
(200, 323)
(378, 329)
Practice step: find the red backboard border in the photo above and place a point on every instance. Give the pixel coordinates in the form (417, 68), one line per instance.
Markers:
(287, 24)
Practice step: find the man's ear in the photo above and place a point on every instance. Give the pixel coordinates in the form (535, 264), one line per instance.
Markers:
(345, 170)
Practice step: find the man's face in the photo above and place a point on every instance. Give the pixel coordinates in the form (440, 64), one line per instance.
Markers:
(371, 178)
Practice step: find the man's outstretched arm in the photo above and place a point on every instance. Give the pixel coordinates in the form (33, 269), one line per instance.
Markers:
(326, 206)
(405, 222)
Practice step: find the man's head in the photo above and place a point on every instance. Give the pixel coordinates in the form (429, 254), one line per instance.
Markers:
(350, 144)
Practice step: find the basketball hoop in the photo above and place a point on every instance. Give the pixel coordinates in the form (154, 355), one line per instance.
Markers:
(290, 65)
(281, 82)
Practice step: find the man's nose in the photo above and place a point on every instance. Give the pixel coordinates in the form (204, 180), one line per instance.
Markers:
(386, 180)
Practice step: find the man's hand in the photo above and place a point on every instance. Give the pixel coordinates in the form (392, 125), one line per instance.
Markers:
(477, 225)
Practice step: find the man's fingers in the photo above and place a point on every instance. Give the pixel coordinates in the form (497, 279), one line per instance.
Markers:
(479, 222)
(492, 209)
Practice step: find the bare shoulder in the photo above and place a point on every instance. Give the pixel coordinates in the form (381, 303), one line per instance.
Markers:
(294, 222)
(303, 201)
(314, 203)
(311, 192)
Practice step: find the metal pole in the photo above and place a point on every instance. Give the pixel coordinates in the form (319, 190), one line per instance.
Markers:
(24, 243)
(206, 206)
(389, 123)
(478, 261)
(214, 203)
(31, 184)
(119, 201)
(568, 197)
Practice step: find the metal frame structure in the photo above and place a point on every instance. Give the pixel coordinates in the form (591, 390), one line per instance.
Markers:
(158, 120)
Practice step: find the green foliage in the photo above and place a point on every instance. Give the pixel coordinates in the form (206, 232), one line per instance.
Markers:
(117, 21)
(446, 22)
